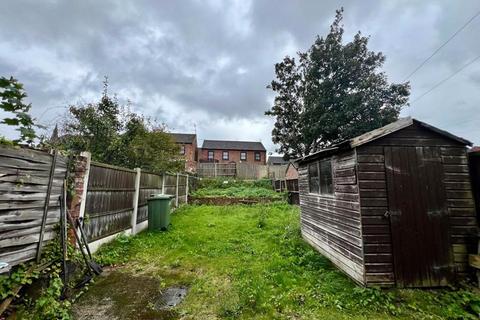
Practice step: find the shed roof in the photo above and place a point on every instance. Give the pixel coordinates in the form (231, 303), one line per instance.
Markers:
(379, 133)
(276, 159)
(233, 145)
(183, 137)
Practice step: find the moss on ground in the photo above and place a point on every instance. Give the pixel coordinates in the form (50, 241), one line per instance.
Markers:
(250, 262)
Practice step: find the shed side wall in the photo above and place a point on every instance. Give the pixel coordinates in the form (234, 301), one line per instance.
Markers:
(331, 223)
(461, 207)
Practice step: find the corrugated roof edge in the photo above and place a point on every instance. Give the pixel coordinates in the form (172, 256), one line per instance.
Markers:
(379, 133)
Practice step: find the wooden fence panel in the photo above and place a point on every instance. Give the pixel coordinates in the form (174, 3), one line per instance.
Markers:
(212, 170)
(251, 171)
(109, 201)
(277, 172)
(150, 183)
(24, 176)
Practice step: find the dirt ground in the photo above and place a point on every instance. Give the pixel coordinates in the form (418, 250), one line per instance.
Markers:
(117, 295)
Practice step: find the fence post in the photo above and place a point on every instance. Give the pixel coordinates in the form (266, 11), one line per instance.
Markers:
(135, 200)
(83, 199)
(186, 190)
(163, 183)
(176, 193)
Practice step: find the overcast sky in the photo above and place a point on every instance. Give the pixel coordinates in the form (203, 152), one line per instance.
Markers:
(207, 63)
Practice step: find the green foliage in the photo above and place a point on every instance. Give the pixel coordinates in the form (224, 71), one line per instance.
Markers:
(114, 252)
(6, 142)
(250, 262)
(48, 305)
(220, 183)
(238, 192)
(236, 188)
(117, 136)
(334, 92)
(11, 101)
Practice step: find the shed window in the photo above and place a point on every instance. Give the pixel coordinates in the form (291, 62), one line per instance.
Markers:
(225, 155)
(243, 155)
(210, 155)
(326, 180)
(313, 178)
(182, 149)
(320, 178)
(257, 156)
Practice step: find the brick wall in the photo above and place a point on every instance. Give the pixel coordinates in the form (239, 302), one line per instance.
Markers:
(190, 156)
(233, 156)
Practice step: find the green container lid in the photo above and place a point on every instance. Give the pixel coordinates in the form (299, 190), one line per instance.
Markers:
(160, 197)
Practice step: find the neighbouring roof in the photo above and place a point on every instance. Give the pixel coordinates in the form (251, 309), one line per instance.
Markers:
(379, 133)
(233, 145)
(183, 137)
(277, 160)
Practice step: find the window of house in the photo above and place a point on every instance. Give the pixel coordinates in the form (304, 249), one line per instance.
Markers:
(257, 156)
(320, 179)
(182, 149)
(210, 155)
(243, 155)
(225, 155)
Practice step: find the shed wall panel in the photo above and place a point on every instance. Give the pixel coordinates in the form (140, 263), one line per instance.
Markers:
(332, 223)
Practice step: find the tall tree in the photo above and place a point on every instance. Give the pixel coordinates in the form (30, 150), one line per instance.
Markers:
(117, 136)
(338, 92)
(11, 101)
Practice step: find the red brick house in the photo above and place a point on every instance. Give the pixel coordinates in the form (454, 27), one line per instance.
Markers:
(188, 148)
(223, 151)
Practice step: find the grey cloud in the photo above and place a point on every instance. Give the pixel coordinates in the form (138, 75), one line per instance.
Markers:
(175, 57)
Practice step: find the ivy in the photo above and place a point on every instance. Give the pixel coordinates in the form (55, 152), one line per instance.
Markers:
(49, 305)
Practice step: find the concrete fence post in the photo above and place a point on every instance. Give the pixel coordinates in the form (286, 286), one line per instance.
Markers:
(215, 169)
(186, 190)
(135, 200)
(163, 183)
(88, 158)
(176, 192)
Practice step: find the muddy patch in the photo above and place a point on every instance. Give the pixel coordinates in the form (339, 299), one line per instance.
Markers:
(170, 297)
(118, 295)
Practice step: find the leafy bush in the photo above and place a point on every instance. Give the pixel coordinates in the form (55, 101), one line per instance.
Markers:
(238, 192)
(223, 183)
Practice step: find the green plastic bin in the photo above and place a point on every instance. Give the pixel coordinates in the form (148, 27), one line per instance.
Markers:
(158, 212)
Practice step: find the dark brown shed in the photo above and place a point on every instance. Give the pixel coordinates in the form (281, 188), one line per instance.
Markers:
(392, 207)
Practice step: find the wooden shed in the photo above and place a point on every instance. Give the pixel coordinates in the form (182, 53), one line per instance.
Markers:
(392, 207)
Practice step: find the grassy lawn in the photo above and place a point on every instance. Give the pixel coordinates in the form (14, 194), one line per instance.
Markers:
(247, 262)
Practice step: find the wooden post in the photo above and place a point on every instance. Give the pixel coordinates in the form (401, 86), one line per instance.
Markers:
(163, 183)
(83, 200)
(215, 169)
(176, 193)
(135, 200)
(45, 206)
(186, 190)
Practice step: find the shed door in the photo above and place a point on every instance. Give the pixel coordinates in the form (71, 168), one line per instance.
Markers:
(418, 216)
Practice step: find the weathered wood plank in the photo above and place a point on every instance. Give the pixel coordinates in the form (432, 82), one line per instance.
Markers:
(370, 158)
